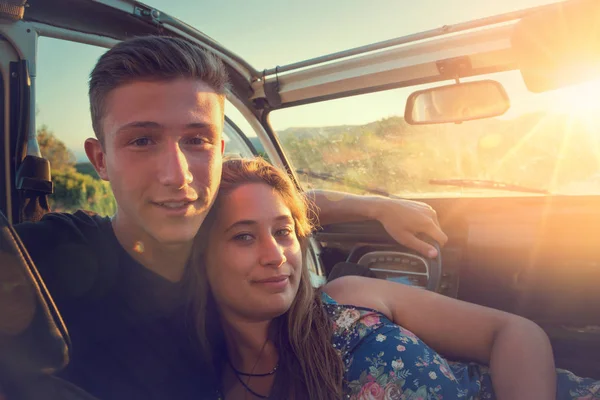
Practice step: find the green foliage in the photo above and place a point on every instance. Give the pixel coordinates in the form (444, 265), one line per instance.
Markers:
(54, 150)
(76, 186)
(86, 168)
(73, 191)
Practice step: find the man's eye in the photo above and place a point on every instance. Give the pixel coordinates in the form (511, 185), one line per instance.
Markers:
(197, 141)
(140, 142)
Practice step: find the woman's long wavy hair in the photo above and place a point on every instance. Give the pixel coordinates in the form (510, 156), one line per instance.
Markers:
(308, 364)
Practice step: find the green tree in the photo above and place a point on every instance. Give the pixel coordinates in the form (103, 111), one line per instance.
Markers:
(76, 186)
(74, 191)
(54, 150)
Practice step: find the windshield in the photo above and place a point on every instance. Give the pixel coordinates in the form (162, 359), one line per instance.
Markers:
(545, 143)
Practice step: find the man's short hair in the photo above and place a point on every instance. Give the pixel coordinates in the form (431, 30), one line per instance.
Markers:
(151, 58)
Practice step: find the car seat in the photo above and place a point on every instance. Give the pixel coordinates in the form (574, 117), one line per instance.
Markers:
(34, 343)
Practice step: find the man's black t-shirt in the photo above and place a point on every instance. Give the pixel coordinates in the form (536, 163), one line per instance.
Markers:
(130, 329)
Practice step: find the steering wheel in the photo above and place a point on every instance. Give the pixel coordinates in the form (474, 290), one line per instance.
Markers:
(402, 264)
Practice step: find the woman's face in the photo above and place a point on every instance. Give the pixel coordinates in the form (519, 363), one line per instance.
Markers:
(254, 260)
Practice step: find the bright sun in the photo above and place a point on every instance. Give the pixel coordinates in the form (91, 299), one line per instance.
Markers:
(580, 100)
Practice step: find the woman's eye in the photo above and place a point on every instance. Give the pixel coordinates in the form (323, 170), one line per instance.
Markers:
(284, 232)
(243, 237)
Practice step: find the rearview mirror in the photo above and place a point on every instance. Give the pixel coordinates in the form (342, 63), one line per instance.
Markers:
(456, 103)
(559, 46)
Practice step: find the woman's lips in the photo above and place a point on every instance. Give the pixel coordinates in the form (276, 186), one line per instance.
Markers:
(276, 283)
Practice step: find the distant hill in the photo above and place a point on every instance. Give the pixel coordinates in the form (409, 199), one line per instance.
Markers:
(257, 144)
(539, 150)
(86, 168)
(301, 132)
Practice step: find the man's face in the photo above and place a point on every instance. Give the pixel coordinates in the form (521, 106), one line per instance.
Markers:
(162, 155)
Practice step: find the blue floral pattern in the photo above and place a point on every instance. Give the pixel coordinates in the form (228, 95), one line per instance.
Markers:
(384, 361)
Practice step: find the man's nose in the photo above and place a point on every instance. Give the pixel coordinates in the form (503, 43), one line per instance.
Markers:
(174, 168)
(272, 253)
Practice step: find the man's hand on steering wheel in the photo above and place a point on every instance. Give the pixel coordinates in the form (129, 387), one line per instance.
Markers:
(404, 220)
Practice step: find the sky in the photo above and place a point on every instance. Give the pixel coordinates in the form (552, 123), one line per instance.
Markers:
(273, 32)
(266, 34)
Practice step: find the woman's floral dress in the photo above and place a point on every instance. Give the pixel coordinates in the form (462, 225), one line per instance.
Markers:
(387, 362)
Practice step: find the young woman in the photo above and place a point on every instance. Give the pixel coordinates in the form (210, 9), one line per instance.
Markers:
(269, 334)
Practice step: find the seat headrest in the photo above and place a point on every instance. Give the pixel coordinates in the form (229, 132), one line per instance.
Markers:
(33, 338)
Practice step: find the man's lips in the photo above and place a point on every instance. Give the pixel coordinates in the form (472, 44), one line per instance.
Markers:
(175, 203)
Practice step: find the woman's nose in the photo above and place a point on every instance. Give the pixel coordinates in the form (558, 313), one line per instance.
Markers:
(272, 253)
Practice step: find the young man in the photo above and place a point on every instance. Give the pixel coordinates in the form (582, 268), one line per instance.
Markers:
(157, 111)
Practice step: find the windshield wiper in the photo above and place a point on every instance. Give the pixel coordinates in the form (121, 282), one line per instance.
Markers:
(332, 178)
(487, 184)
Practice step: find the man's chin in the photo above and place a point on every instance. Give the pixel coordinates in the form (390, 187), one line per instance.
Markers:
(175, 234)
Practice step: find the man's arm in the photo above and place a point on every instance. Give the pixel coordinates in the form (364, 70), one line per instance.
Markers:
(402, 219)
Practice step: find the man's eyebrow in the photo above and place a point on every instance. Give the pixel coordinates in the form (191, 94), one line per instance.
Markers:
(200, 125)
(140, 124)
(249, 222)
(156, 125)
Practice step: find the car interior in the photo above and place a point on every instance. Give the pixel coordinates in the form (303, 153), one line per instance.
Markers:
(33, 339)
(530, 251)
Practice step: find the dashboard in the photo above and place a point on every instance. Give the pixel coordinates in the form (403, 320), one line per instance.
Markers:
(374, 249)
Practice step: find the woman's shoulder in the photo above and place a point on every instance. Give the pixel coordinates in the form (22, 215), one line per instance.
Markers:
(355, 291)
(339, 289)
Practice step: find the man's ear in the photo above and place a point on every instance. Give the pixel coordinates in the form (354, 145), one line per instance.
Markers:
(222, 146)
(95, 153)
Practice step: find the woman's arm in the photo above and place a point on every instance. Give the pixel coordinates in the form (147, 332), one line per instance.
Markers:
(402, 219)
(516, 349)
